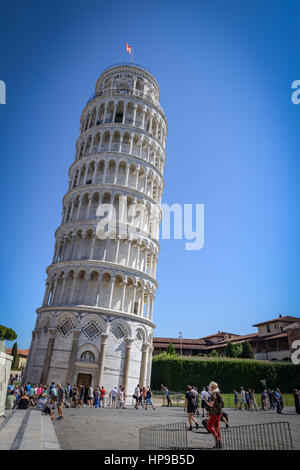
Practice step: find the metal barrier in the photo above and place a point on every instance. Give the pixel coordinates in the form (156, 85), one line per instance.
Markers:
(164, 437)
(268, 436)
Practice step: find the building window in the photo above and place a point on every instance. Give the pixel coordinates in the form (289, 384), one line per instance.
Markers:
(66, 327)
(118, 332)
(268, 328)
(91, 330)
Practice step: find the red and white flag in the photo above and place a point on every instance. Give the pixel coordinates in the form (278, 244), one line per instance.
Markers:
(128, 48)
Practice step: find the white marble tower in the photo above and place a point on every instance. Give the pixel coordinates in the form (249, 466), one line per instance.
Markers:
(96, 321)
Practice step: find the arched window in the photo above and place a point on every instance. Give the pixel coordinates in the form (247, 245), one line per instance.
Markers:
(87, 356)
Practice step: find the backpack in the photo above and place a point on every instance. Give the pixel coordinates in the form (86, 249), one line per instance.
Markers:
(193, 400)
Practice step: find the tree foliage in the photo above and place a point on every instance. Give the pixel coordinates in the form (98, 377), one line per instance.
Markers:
(247, 352)
(213, 353)
(14, 354)
(230, 350)
(171, 350)
(7, 333)
(177, 372)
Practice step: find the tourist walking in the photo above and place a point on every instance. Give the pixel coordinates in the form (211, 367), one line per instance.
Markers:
(264, 400)
(215, 403)
(243, 399)
(103, 393)
(271, 399)
(121, 398)
(90, 396)
(97, 395)
(53, 395)
(136, 396)
(148, 399)
(167, 393)
(235, 399)
(204, 395)
(278, 399)
(60, 400)
(296, 396)
(190, 405)
(75, 397)
(113, 395)
(253, 403)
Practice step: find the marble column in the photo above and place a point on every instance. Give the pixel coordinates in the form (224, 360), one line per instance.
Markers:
(143, 369)
(72, 360)
(127, 362)
(101, 362)
(47, 361)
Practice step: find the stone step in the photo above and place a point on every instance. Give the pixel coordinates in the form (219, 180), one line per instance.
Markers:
(28, 430)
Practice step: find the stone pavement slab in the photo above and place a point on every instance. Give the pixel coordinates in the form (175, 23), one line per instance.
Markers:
(27, 430)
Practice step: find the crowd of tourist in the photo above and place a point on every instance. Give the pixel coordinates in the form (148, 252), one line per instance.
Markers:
(47, 399)
(211, 403)
(208, 403)
(269, 400)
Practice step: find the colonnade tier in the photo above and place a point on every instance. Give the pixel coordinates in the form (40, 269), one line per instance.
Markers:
(103, 288)
(136, 253)
(83, 205)
(128, 176)
(122, 231)
(136, 114)
(54, 319)
(121, 140)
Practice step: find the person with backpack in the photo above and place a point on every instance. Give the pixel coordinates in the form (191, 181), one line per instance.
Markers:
(190, 405)
(215, 404)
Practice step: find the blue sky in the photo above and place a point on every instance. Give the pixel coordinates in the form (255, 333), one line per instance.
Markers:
(225, 71)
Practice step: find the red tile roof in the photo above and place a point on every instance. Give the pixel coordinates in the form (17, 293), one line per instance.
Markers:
(286, 318)
(21, 352)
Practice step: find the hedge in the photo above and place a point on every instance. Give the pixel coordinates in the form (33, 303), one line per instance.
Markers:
(178, 372)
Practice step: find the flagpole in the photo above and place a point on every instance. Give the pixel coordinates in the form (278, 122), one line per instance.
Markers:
(132, 57)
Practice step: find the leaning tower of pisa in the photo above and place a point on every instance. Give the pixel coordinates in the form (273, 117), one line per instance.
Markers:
(96, 321)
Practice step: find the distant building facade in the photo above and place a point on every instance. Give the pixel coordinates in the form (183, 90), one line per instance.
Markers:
(272, 341)
(22, 356)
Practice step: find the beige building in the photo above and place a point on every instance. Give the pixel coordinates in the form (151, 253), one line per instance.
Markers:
(272, 341)
(22, 356)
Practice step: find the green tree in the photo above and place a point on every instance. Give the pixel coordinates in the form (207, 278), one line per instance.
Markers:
(171, 350)
(238, 349)
(7, 333)
(14, 354)
(247, 352)
(213, 353)
(230, 350)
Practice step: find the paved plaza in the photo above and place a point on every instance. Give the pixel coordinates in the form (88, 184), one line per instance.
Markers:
(110, 428)
(117, 429)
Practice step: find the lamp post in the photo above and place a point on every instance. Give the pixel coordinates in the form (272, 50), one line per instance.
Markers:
(180, 337)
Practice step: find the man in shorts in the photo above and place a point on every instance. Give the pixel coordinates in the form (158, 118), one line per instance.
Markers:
(113, 395)
(149, 399)
(103, 393)
(136, 396)
(60, 400)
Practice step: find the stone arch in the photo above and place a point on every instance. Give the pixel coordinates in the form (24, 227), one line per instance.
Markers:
(88, 347)
(123, 324)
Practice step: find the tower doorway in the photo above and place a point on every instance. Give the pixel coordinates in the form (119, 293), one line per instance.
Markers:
(86, 381)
